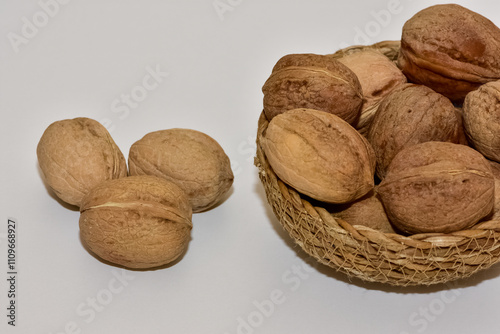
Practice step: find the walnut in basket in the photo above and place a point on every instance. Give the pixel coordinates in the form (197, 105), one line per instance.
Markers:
(366, 211)
(495, 169)
(481, 115)
(411, 114)
(312, 81)
(450, 49)
(378, 76)
(437, 187)
(320, 155)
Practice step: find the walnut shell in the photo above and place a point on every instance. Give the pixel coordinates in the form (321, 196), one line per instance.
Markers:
(75, 155)
(481, 115)
(366, 211)
(320, 155)
(496, 206)
(191, 159)
(495, 170)
(437, 187)
(136, 221)
(411, 114)
(378, 76)
(312, 81)
(462, 136)
(450, 49)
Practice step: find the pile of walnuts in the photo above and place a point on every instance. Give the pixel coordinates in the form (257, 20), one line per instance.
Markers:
(406, 146)
(140, 217)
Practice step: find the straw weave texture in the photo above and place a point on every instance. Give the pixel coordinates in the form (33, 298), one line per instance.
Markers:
(359, 251)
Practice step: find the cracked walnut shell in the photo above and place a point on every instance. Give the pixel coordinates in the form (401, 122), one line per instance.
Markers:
(75, 155)
(136, 221)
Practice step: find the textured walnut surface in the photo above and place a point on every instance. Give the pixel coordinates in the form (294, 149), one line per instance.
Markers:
(437, 187)
(136, 221)
(191, 159)
(481, 114)
(495, 170)
(366, 211)
(411, 114)
(312, 81)
(450, 49)
(75, 155)
(320, 155)
(378, 76)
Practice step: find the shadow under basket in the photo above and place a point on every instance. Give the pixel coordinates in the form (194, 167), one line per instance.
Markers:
(370, 255)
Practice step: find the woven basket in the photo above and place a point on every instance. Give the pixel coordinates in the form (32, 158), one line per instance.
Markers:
(373, 256)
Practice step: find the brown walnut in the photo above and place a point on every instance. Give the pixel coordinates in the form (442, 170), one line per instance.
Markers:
(411, 114)
(190, 158)
(312, 81)
(378, 76)
(437, 187)
(450, 49)
(366, 211)
(136, 221)
(320, 155)
(75, 155)
(495, 170)
(481, 114)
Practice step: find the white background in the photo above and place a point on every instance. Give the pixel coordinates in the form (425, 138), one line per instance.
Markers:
(81, 61)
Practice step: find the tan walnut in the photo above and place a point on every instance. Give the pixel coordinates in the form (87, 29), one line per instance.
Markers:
(136, 221)
(495, 169)
(450, 49)
(75, 155)
(481, 114)
(319, 155)
(437, 187)
(378, 76)
(312, 81)
(366, 211)
(411, 114)
(462, 136)
(190, 158)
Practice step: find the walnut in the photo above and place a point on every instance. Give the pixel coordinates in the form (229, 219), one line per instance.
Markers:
(191, 159)
(495, 170)
(312, 81)
(320, 155)
(75, 155)
(437, 187)
(136, 221)
(411, 114)
(367, 211)
(378, 76)
(481, 114)
(451, 49)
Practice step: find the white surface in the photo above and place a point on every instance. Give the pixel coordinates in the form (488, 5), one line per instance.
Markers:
(81, 62)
